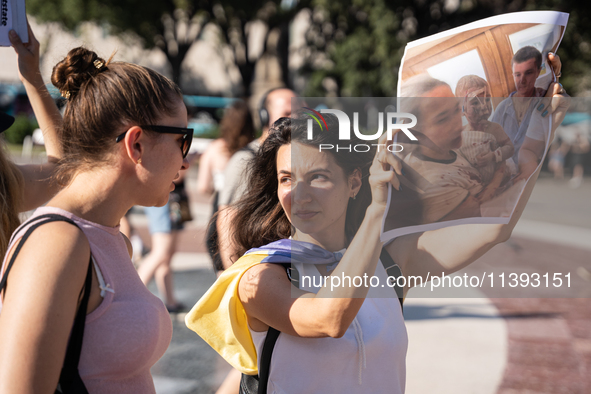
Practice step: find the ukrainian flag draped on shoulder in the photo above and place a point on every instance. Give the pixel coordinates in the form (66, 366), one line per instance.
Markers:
(219, 317)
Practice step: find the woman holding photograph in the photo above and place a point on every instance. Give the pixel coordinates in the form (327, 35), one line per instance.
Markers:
(322, 212)
(124, 140)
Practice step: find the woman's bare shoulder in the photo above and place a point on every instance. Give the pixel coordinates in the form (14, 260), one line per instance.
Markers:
(260, 277)
(55, 241)
(54, 257)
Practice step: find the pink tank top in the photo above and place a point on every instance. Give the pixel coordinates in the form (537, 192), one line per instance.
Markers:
(131, 328)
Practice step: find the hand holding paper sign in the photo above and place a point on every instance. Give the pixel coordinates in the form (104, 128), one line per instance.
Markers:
(12, 17)
(383, 172)
(556, 100)
(46, 112)
(27, 57)
(534, 145)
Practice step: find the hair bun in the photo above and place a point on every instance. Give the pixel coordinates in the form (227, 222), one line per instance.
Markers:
(79, 66)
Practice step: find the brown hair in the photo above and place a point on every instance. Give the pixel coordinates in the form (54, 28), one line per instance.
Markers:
(259, 217)
(236, 127)
(11, 197)
(102, 98)
(526, 53)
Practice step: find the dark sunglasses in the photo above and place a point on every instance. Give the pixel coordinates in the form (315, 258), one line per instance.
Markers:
(187, 137)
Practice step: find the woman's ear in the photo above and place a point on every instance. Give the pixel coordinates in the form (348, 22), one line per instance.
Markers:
(355, 182)
(134, 142)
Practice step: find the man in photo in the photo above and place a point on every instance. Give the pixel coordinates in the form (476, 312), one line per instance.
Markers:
(514, 113)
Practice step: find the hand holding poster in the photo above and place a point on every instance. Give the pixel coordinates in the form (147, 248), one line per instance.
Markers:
(482, 128)
(13, 17)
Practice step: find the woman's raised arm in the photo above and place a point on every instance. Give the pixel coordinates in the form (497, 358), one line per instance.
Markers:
(38, 187)
(46, 111)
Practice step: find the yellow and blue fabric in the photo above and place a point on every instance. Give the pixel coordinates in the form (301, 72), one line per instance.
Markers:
(219, 317)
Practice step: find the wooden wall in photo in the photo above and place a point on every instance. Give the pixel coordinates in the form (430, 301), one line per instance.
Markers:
(492, 44)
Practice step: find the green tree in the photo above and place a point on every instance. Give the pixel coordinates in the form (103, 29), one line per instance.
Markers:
(174, 25)
(355, 46)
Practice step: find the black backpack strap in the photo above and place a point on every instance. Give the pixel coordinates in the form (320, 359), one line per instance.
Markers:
(257, 384)
(252, 384)
(394, 271)
(265, 367)
(69, 381)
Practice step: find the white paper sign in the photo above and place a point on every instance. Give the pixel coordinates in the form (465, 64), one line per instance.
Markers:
(13, 17)
(480, 135)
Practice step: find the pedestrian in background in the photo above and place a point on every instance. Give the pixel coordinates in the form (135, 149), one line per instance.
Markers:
(275, 104)
(165, 223)
(236, 131)
(579, 149)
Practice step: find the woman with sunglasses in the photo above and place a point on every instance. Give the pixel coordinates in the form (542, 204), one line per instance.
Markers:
(125, 140)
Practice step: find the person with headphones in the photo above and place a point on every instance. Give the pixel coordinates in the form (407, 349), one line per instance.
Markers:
(275, 104)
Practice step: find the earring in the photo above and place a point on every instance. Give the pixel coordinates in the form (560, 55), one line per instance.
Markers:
(139, 161)
(354, 196)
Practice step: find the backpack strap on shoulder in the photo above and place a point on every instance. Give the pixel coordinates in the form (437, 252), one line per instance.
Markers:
(270, 340)
(39, 221)
(251, 384)
(393, 271)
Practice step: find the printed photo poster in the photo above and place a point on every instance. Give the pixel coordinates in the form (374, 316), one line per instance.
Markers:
(475, 91)
(13, 17)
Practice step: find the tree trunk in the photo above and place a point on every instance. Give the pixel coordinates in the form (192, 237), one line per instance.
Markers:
(283, 53)
(176, 62)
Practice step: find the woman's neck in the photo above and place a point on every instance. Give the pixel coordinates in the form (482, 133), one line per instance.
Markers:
(98, 195)
(331, 243)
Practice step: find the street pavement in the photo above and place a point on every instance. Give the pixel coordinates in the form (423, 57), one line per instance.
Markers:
(486, 343)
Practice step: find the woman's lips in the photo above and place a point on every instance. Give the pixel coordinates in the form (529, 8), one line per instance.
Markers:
(305, 214)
